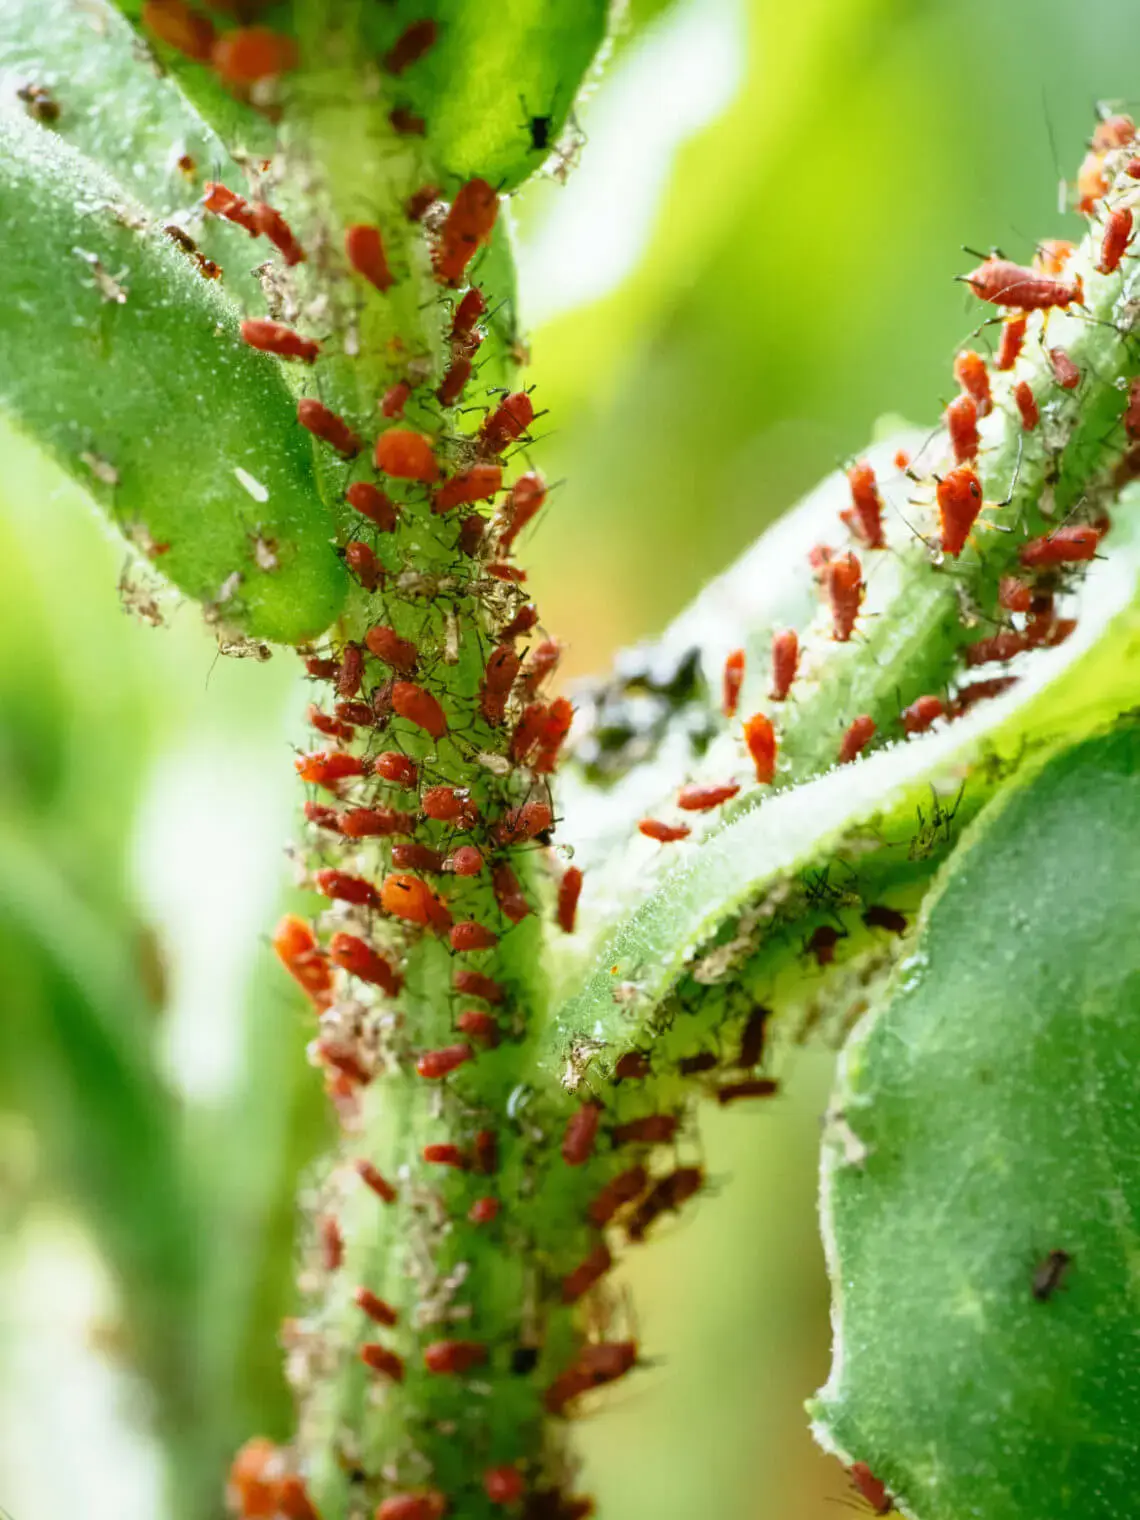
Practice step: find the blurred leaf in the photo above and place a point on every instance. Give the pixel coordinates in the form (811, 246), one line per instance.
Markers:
(994, 1097)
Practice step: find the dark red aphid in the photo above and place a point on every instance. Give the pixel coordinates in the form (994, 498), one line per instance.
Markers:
(293, 1502)
(371, 502)
(419, 707)
(396, 768)
(343, 887)
(272, 225)
(387, 645)
(478, 1025)
(328, 767)
(375, 823)
(667, 1195)
(323, 817)
(520, 824)
(1003, 283)
(442, 1154)
(698, 798)
(411, 45)
(1026, 405)
(971, 374)
(503, 1485)
(569, 890)
(733, 680)
(856, 738)
(625, 1188)
(1012, 339)
(375, 1180)
(409, 898)
(581, 1133)
(877, 916)
(959, 497)
(1014, 594)
(406, 455)
(395, 399)
(321, 668)
(475, 984)
(466, 861)
(998, 648)
(822, 944)
(1131, 416)
(501, 571)
(437, 1064)
(498, 679)
(753, 1037)
(469, 539)
(418, 202)
(363, 563)
(760, 737)
(843, 577)
(364, 250)
(298, 951)
(751, 1087)
(454, 1358)
(1065, 372)
(1064, 546)
(480, 483)
(454, 382)
(663, 833)
(181, 28)
(1117, 236)
(467, 313)
(351, 671)
(509, 421)
(367, 965)
(921, 713)
(376, 1308)
(468, 225)
(508, 894)
(355, 714)
(980, 691)
(380, 1359)
(579, 1282)
(252, 53)
(417, 857)
(429, 1504)
(485, 1150)
(631, 1066)
(524, 503)
(276, 338)
(483, 1210)
(962, 426)
(472, 936)
(597, 1364)
(870, 1488)
(316, 418)
(693, 1066)
(654, 1129)
(785, 661)
(865, 516)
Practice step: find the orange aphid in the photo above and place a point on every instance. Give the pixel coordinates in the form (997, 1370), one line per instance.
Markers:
(272, 225)
(855, 740)
(1004, 283)
(527, 496)
(326, 767)
(480, 483)
(733, 680)
(380, 1359)
(1026, 405)
(406, 455)
(410, 898)
(387, 645)
(843, 577)
(1052, 254)
(918, 717)
(1117, 235)
(760, 737)
(374, 1179)
(179, 27)
(468, 225)
(367, 965)
(341, 886)
(663, 833)
(865, 517)
(1012, 339)
(364, 250)
(419, 707)
(971, 374)
(252, 53)
(472, 936)
(785, 661)
(959, 497)
(454, 1358)
(962, 426)
(700, 798)
(434, 1065)
(255, 1478)
(298, 951)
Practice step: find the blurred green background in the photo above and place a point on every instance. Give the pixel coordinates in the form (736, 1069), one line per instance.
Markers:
(752, 263)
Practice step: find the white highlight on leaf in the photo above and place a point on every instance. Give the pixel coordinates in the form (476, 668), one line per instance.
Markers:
(254, 487)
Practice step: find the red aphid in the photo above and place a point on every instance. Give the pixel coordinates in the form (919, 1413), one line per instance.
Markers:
(503, 1485)
(363, 563)
(272, 225)
(467, 313)
(252, 53)
(406, 455)
(395, 767)
(380, 1359)
(971, 374)
(919, 716)
(472, 936)
(498, 679)
(569, 890)
(1132, 168)
(785, 661)
(541, 663)
(395, 399)
(866, 514)
(418, 202)
(478, 1025)
(1131, 418)
(508, 894)
(417, 857)
(375, 823)
(822, 944)
(466, 861)
(579, 1282)
(316, 418)
(669, 1194)
(387, 645)
(1064, 546)
(523, 621)
(371, 502)
(442, 1154)
(663, 833)
(437, 1064)
(332, 1244)
(449, 804)
(470, 537)
(1026, 405)
(760, 737)
(1012, 339)
(181, 28)
(1065, 372)
(870, 1488)
(409, 898)
(959, 496)
(622, 1189)
(328, 767)
(225, 202)
(323, 817)
(364, 250)
(361, 961)
(528, 731)
(556, 725)
(856, 738)
(454, 1358)
(377, 1310)
(480, 483)
(526, 500)
(351, 671)
(276, 338)
(1003, 283)
(475, 984)
(374, 1179)
(419, 707)
(469, 224)
(454, 382)
(293, 1502)
(355, 714)
(297, 949)
(508, 422)
(1014, 594)
(343, 887)
(1117, 236)
(654, 1129)
(631, 1066)
(581, 1133)
(411, 45)
(698, 798)
(733, 680)
(843, 577)
(962, 426)
(754, 1036)
(254, 1478)
(520, 824)
(483, 1210)
(430, 1504)
(598, 1363)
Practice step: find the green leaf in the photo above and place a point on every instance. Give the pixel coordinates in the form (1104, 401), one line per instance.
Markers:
(158, 405)
(995, 1098)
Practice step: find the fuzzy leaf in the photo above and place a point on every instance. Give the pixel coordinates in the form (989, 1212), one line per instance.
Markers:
(160, 403)
(995, 1097)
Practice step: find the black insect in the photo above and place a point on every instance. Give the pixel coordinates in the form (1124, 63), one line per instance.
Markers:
(1049, 1274)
